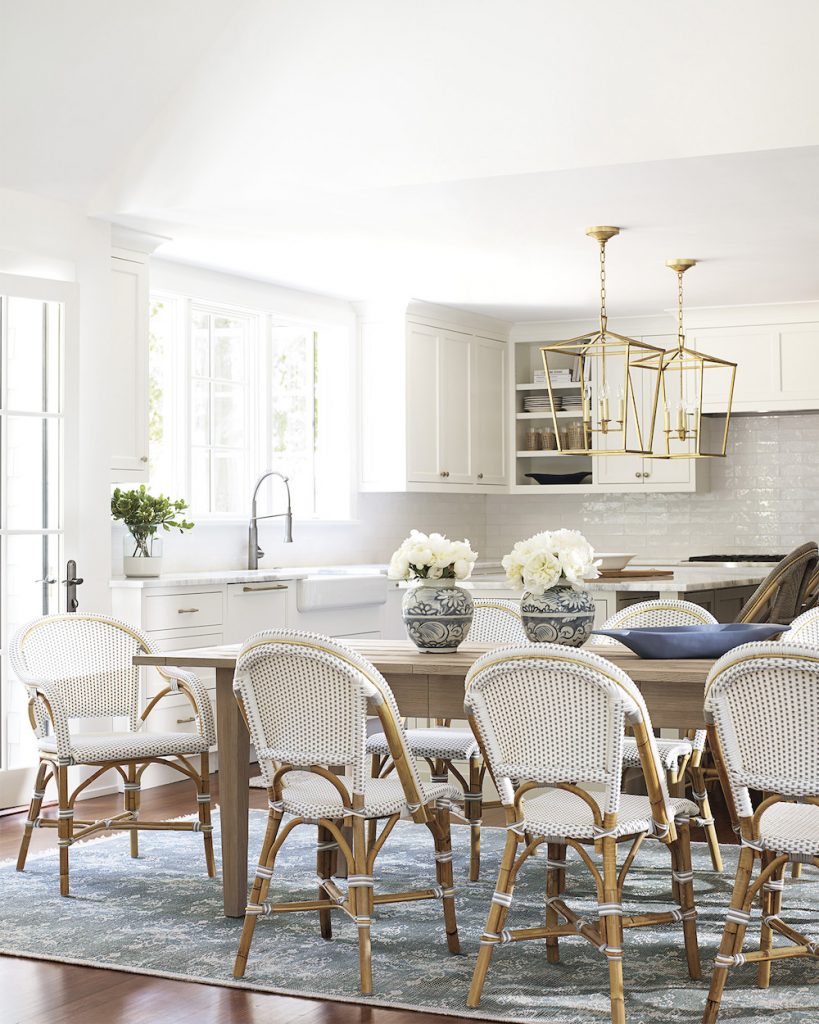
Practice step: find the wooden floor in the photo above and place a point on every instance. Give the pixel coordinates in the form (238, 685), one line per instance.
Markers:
(34, 992)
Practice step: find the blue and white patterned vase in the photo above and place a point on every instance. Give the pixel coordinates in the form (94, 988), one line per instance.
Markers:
(560, 615)
(437, 614)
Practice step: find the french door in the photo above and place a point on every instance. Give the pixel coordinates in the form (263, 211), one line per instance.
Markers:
(37, 473)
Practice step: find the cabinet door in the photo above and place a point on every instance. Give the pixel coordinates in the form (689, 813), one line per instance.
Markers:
(454, 420)
(755, 350)
(422, 405)
(488, 411)
(128, 378)
(799, 363)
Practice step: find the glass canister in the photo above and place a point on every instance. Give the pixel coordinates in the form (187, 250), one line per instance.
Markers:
(532, 440)
(548, 441)
(575, 436)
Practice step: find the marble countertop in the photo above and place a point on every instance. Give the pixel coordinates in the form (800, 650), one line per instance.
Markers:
(215, 577)
(686, 579)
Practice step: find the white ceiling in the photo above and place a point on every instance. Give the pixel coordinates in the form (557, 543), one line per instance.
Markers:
(450, 151)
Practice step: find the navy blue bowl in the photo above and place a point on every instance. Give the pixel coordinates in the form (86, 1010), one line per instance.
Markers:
(709, 641)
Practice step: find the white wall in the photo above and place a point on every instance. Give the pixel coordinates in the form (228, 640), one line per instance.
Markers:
(382, 521)
(763, 498)
(48, 239)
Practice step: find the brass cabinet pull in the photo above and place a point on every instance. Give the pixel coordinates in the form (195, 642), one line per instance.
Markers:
(480, 476)
(184, 721)
(272, 586)
(186, 611)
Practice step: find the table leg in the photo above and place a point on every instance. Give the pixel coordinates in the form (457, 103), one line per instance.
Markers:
(234, 778)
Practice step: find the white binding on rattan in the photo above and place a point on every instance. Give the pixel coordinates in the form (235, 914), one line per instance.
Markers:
(764, 701)
(552, 715)
(647, 614)
(496, 621)
(305, 697)
(81, 666)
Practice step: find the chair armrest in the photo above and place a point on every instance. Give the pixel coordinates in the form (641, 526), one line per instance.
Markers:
(186, 682)
(45, 705)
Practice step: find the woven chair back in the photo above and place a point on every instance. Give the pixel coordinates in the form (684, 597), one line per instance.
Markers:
(87, 659)
(497, 622)
(804, 629)
(653, 613)
(553, 714)
(305, 698)
(763, 699)
(810, 599)
(780, 596)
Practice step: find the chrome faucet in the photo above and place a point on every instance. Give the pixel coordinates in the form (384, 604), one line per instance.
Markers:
(254, 552)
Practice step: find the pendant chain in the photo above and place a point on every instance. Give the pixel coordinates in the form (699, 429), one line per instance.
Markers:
(603, 313)
(680, 333)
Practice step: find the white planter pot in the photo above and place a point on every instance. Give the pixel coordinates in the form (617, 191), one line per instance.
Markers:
(142, 568)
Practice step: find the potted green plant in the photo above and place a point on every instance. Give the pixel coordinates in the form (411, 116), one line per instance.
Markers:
(144, 514)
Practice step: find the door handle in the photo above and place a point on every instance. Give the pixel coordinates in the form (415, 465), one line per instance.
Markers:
(272, 586)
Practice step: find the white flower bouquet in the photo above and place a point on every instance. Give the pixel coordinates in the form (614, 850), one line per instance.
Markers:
(550, 558)
(432, 557)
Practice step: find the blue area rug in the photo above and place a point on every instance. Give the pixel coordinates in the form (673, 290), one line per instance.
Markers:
(162, 915)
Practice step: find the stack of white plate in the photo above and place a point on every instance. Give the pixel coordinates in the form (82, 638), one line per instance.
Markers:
(540, 403)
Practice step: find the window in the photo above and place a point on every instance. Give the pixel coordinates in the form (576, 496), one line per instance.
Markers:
(234, 393)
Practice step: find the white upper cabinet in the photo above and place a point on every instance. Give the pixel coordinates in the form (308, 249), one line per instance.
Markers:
(128, 379)
(433, 420)
(488, 411)
(777, 366)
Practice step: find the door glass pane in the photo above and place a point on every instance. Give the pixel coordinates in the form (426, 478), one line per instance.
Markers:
(32, 368)
(32, 472)
(29, 560)
(200, 478)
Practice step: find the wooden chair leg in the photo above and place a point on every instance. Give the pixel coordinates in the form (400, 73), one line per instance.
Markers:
(796, 870)
(362, 903)
(325, 837)
(33, 813)
(64, 826)
(683, 870)
(261, 885)
(700, 793)
(733, 935)
(555, 883)
(372, 823)
(611, 925)
(473, 807)
(130, 804)
(495, 921)
(203, 801)
(441, 830)
(771, 906)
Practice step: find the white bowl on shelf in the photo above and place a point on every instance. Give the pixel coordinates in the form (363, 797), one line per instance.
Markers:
(612, 561)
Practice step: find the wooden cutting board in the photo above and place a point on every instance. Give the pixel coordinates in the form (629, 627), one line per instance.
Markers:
(636, 574)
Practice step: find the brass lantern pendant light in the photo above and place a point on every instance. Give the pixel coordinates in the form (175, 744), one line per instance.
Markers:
(619, 380)
(691, 380)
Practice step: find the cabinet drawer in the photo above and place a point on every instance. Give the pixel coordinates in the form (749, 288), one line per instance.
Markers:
(179, 611)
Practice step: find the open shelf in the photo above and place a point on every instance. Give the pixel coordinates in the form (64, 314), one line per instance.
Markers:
(550, 453)
(565, 414)
(542, 387)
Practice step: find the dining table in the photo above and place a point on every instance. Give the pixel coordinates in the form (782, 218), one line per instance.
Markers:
(426, 684)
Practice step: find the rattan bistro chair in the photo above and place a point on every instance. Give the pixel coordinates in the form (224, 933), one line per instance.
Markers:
(763, 702)
(495, 621)
(305, 698)
(552, 716)
(682, 757)
(780, 596)
(804, 629)
(81, 666)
